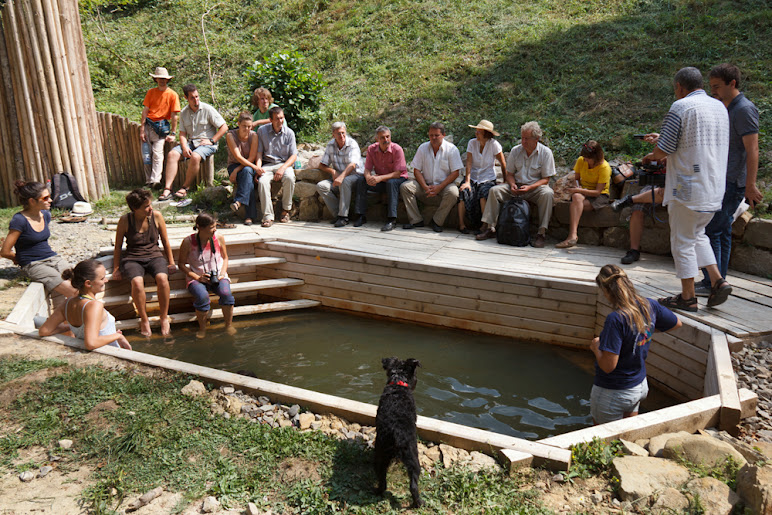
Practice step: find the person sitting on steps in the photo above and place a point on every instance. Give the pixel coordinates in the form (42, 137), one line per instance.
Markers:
(638, 203)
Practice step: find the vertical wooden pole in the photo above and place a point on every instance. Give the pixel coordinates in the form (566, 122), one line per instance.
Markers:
(14, 150)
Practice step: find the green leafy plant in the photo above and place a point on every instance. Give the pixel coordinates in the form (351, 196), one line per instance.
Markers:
(592, 458)
(294, 87)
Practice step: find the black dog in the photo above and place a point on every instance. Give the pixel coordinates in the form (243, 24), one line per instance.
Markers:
(395, 424)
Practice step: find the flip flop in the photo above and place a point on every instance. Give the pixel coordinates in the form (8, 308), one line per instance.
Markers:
(566, 244)
(223, 225)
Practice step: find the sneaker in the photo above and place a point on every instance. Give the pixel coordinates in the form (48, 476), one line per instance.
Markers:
(435, 226)
(631, 257)
(341, 222)
(360, 221)
(619, 204)
(702, 290)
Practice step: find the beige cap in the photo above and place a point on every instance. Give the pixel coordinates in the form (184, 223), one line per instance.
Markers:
(486, 126)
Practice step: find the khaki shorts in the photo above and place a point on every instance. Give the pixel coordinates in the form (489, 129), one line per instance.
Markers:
(47, 271)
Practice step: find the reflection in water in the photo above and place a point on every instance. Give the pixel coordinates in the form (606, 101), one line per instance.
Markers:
(495, 383)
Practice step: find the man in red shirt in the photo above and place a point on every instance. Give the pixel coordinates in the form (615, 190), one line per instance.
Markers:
(158, 125)
(385, 171)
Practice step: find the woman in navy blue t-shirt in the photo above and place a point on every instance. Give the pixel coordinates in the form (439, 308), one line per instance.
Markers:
(28, 233)
(620, 351)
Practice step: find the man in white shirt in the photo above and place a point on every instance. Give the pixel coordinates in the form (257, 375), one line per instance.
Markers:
(342, 159)
(695, 140)
(529, 168)
(436, 166)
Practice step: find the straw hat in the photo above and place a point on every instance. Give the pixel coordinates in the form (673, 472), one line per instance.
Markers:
(486, 126)
(81, 209)
(161, 73)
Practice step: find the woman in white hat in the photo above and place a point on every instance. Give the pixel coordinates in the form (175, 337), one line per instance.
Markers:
(481, 155)
(158, 124)
(28, 235)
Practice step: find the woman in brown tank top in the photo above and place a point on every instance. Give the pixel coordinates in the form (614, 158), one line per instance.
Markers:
(142, 228)
(242, 154)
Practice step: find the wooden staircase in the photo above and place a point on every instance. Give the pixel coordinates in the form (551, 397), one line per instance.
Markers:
(243, 270)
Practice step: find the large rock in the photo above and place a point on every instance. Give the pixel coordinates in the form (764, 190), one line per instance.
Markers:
(701, 450)
(670, 500)
(606, 217)
(194, 389)
(304, 189)
(305, 420)
(589, 235)
(633, 449)
(641, 477)
(616, 237)
(311, 175)
(453, 456)
(656, 239)
(309, 209)
(210, 505)
(751, 260)
(233, 405)
(759, 233)
(754, 485)
(480, 461)
(216, 195)
(716, 497)
(657, 443)
(313, 163)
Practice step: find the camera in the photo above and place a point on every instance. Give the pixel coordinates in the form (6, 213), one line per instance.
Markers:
(651, 174)
(213, 279)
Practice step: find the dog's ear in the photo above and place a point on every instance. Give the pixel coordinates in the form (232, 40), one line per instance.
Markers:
(388, 363)
(412, 364)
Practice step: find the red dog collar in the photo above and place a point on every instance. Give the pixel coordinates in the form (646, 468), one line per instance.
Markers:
(401, 383)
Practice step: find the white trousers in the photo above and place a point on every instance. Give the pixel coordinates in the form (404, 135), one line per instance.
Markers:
(689, 244)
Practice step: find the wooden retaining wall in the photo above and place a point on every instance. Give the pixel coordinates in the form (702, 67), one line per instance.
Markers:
(123, 154)
(530, 308)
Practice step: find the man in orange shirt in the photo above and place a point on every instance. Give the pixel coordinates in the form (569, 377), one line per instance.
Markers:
(158, 125)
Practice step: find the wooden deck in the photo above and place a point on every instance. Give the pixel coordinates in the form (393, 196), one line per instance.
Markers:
(746, 315)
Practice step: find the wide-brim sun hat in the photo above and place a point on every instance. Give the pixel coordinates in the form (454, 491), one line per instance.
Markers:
(81, 209)
(161, 73)
(486, 126)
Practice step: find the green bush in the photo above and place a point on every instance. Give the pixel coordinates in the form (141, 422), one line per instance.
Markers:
(294, 87)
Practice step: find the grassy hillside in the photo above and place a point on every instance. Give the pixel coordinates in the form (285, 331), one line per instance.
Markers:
(582, 69)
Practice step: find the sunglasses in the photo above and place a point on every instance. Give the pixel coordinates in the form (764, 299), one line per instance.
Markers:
(43, 199)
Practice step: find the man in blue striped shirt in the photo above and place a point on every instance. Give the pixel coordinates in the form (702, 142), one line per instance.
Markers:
(695, 141)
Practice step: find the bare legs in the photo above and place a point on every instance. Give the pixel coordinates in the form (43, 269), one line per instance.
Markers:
(203, 318)
(140, 302)
(162, 284)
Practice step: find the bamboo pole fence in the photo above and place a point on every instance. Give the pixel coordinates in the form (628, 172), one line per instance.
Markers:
(48, 121)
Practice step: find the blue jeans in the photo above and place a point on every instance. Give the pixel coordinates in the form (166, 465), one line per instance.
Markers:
(203, 150)
(391, 187)
(200, 292)
(245, 189)
(719, 230)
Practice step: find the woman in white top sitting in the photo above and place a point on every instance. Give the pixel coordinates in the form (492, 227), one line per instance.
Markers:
(481, 155)
(83, 316)
(204, 259)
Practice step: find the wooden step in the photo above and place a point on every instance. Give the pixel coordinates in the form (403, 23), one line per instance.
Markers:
(179, 318)
(231, 240)
(235, 288)
(233, 264)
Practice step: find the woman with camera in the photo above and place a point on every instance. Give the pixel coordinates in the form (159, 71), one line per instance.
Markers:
(623, 345)
(204, 259)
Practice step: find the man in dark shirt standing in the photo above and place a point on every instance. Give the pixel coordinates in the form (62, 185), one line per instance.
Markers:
(742, 164)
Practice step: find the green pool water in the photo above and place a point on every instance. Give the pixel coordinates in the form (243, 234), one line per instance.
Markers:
(520, 389)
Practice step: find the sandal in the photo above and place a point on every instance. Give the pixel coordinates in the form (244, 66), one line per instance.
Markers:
(248, 221)
(285, 217)
(224, 225)
(181, 195)
(565, 244)
(165, 196)
(267, 223)
(235, 206)
(719, 293)
(678, 302)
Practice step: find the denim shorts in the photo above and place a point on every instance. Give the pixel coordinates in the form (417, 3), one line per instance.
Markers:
(203, 150)
(607, 405)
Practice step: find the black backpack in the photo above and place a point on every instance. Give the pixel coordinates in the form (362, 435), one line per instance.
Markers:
(514, 220)
(64, 191)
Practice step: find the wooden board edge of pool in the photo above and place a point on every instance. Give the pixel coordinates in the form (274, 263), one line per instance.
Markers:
(551, 452)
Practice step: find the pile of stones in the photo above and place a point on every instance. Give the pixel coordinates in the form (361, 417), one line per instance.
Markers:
(752, 370)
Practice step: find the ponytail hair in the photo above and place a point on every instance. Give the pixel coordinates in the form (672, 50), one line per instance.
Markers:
(83, 271)
(635, 309)
(28, 190)
(204, 220)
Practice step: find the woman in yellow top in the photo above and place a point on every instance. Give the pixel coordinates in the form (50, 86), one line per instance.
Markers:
(592, 175)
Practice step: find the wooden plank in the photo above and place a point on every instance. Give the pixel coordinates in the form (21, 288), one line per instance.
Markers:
(240, 263)
(179, 318)
(237, 238)
(725, 381)
(424, 298)
(513, 460)
(28, 305)
(690, 417)
(692, 383)
(235, 288)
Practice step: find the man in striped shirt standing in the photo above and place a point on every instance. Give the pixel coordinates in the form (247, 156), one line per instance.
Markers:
(695, 141)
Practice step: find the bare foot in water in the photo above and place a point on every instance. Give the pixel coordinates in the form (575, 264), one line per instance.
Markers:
(201, 334)
(144, 328)
(166, 330)
(230, 330)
